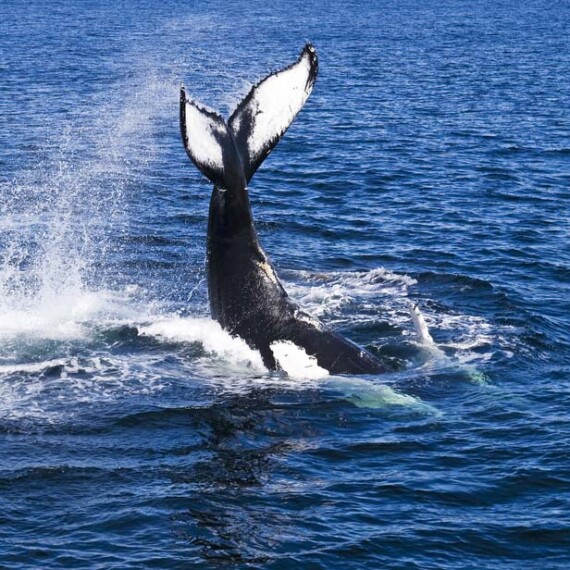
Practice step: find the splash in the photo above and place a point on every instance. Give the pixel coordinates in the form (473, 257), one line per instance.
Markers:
(327, 295)
(58, 214)
(210, 335)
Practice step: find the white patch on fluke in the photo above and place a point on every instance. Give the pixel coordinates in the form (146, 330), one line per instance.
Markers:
(274, 104)
(296, 362)
(203, 130)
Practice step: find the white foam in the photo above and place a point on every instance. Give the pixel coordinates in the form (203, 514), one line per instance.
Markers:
(328, 294)
(55, 399)
(7, 369)
(210, 335)
(362, 298)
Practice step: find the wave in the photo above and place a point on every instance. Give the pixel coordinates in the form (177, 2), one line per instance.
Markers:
(363, 300)
(100, 347)
(372, 306)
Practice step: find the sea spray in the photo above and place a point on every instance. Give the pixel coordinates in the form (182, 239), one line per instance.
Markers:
(59, 214)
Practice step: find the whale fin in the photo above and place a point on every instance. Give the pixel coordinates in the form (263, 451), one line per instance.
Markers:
(420, 326)
(261, 119)
(205, 135)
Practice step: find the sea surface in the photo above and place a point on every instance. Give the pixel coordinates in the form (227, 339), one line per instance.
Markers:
(430, 166)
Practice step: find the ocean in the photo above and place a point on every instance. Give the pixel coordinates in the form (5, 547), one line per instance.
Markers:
(430, 166)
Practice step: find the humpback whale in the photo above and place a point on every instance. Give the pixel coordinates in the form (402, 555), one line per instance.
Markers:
(246, 296)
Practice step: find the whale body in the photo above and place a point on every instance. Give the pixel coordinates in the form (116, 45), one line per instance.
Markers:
(245, 294)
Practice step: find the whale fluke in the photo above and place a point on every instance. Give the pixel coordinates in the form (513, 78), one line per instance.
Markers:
(205, 135)
(221, 150)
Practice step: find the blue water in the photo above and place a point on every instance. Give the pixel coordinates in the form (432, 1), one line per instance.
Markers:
(431, 165)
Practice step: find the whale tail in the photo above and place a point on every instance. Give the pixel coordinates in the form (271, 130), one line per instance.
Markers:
(217, 148)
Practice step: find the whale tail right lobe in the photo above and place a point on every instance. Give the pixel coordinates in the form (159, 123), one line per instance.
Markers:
(220, 150)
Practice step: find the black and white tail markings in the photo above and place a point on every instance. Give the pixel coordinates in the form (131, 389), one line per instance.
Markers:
(204, 134)
(261, 119)
(256, 125)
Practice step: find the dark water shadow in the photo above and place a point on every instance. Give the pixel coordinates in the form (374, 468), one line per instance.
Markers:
(228, 517)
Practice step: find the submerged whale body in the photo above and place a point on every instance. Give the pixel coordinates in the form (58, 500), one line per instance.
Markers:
(246, 296)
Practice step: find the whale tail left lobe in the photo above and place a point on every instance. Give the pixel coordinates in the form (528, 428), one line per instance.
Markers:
(206, 139)
(217, 148)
